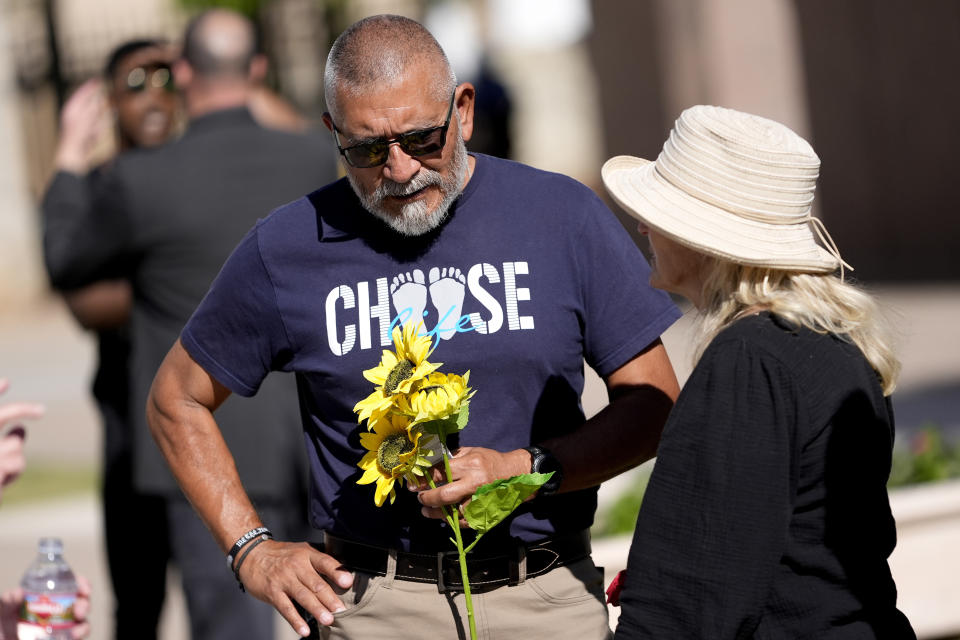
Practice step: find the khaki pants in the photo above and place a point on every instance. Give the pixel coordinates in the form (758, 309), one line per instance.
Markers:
(567, 602)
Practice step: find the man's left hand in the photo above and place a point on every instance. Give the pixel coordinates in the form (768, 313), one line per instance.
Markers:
(470, 467)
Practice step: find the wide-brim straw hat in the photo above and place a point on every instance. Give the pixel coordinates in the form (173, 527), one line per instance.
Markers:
(732, 185)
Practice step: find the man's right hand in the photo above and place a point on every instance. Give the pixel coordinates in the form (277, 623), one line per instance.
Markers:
(280, 573)
(180, 413)
(83, 120)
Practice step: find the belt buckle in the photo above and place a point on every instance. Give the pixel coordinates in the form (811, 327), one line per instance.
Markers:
(442, 586)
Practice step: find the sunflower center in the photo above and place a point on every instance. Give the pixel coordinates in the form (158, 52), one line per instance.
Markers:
(400, 372)
(390, 450)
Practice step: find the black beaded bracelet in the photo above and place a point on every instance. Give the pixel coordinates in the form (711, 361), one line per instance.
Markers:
(243, 540)
(247, 549)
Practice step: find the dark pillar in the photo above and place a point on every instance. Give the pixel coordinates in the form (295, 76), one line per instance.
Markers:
(884, 95)
(624, 50)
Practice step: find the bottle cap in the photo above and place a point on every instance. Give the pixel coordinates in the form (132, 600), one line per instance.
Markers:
(50, 545)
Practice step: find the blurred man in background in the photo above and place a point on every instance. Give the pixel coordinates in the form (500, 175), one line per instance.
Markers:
(170, 217)
(135, 97)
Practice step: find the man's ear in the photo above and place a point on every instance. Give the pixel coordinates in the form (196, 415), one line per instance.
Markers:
(182, 74)
(464, 103)
(258, 68)
(327, 121)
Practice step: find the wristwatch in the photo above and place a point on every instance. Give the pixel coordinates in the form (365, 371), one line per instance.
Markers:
(542, 461)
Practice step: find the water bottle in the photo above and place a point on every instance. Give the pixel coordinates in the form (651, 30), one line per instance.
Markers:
(49, 590)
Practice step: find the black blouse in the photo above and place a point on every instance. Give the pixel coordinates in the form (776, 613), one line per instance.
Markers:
(767, 513)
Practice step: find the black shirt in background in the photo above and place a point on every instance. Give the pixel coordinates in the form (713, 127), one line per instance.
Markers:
(170, 216)
(66, 204)
(767, 513)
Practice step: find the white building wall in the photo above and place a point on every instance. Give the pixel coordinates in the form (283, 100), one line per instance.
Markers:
(21, 273)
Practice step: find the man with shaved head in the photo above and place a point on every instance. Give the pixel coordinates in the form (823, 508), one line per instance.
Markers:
(168, 218)
(517, 275)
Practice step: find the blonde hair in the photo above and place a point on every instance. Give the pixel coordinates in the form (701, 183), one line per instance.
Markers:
(820, 302)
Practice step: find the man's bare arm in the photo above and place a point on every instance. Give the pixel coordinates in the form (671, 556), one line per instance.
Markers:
(627, 431)
(623, 435)
(180, 413)
(102, 305)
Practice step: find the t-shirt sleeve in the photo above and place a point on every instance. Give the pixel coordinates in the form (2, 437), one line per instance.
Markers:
(715, 516)
(622, 313)
(237, 333)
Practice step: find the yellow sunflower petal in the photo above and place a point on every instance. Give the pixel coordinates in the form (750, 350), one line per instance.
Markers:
(370, 474)
(412, 343)
(419, 347)
(371, 441)
(368, 460)
(390, 424)
(373, 407)
(419, 373)
(384, 488)
(404, 335)
(378, 374)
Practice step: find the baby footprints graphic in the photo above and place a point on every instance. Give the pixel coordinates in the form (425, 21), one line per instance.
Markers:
(446, 288)
(409, 294)
(446, 293)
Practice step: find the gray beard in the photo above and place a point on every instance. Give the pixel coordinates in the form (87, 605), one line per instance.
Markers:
(415, 218)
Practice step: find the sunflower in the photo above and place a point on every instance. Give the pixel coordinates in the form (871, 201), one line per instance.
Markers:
(393, 453)
(438, 396)
(397, 372)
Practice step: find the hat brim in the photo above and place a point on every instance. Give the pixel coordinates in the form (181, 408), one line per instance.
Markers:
(634, 185)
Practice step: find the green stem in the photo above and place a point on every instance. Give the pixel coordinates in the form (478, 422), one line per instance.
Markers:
(473, 544)
(454, 521)
(446, 509)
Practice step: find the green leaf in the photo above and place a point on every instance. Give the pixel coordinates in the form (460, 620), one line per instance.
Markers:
(445, 426)
(493, 502)
(440, 428)
(463, 416)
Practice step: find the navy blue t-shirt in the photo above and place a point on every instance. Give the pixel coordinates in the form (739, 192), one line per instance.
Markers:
(529, 276)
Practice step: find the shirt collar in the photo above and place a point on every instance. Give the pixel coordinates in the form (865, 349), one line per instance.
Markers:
(220, 119)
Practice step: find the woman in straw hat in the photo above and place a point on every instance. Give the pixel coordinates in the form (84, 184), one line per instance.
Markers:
(767, 514)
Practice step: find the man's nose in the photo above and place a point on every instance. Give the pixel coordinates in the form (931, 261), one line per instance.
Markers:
(400, 167)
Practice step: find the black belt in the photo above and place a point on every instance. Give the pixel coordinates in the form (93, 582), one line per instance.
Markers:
(443, 569)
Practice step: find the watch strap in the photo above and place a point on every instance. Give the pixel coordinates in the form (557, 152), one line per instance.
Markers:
(543, 461)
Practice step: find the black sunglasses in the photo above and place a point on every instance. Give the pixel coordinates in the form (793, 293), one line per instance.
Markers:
(141, 78)
(413, 143)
